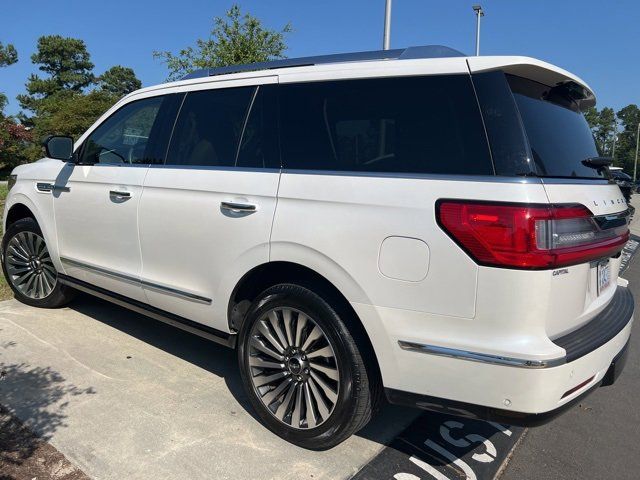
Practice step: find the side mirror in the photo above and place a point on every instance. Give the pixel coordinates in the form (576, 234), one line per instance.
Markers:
(59, 147)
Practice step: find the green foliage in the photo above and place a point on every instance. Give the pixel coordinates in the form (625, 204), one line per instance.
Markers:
(14, 140)
(71, 113)
(603, 125)
(67, 65)
(119, 81)
(8, 55)
(235, 39)
(623, 126)
(59, 100)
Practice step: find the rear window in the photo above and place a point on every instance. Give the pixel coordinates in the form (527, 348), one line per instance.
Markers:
(398, 125)
(558, 133)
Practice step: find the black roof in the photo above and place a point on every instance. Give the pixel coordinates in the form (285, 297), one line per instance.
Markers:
(426, 51)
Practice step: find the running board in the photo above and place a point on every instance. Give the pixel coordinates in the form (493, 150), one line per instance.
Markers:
(218, 336)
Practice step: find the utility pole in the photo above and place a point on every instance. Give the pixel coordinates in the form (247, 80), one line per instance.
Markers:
(479, 13)
(386, 39)
(635, 166)
(613, 152)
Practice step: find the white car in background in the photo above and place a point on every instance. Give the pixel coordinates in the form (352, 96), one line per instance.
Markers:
(414, 223)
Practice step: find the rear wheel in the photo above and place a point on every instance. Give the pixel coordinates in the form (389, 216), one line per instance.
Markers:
(28, 267)
(302, 369)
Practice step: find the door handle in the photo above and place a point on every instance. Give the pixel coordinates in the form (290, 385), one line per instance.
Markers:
(119, 194)
(238, 207)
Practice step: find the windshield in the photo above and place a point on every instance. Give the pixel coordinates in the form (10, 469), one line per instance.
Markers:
(558, 133)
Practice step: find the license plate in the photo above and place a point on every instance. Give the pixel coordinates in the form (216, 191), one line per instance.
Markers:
(604, 276)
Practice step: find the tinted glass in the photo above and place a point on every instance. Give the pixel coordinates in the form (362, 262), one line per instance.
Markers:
(405, 125)
(558, 133)
(208, 129)
(124, 137)
(259, 147)
(509, 148)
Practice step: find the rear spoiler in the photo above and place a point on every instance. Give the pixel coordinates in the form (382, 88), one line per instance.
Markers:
(538, 71)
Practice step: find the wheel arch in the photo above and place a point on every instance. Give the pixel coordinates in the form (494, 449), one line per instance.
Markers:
(16, 212)
(263, 276)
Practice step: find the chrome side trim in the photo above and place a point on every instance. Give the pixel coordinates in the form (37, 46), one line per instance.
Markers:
(480, 357)
(175, 292)
(224, 338)
(137, 281)
(100, 270)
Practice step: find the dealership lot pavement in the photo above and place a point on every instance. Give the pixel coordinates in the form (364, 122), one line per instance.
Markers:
(122, 396)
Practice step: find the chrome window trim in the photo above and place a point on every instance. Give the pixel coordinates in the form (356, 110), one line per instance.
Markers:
(480, 357)
(137, 281)
(215, 168)
(425, 176)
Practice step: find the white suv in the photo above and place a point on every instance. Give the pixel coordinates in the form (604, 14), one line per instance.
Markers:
(415, 224)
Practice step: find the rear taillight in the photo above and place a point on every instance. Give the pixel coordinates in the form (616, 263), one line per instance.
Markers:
(529, 236)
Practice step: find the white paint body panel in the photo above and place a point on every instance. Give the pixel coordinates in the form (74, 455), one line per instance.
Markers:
(189, 242)
(173, 233)
(95, 229)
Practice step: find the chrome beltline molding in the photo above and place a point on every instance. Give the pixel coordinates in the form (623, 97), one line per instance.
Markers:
(480, 357)
(137, 281)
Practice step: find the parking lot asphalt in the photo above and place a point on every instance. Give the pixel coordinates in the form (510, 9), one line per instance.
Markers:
(600, 437)
(597, 439)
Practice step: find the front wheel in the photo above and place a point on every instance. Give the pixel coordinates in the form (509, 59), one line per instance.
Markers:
(302, 369)
(28, 267)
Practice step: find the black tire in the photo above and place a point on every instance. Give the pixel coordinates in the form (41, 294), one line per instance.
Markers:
(354, 405)
(60, 294)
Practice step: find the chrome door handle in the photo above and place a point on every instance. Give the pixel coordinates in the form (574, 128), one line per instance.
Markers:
(238, 207)
(119, 194)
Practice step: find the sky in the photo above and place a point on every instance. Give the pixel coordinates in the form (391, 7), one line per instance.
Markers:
(597, 40)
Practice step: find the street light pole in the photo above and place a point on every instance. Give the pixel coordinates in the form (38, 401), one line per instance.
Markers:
(479, 13)
(386, 39)
(635, 165)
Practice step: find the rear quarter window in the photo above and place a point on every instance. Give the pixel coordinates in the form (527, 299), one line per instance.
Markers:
(428, 125)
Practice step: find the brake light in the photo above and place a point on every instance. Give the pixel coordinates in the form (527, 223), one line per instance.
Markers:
(529, 236)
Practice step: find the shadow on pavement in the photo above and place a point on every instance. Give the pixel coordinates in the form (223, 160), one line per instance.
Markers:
(216, 359)
(38, 393)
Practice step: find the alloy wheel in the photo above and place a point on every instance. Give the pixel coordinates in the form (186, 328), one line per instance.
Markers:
(293, 368)
(29, 265)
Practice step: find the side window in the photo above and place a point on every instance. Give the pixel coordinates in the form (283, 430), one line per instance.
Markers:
(405, 125)
(259, 145)
(209, 126)
(124, 137)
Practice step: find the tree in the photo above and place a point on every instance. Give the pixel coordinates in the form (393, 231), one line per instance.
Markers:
(71, 113)
(629, 118)
(8, 55)
(119, 81)
(67, 64)
(604, 127)
(236, 39)
(14, 138)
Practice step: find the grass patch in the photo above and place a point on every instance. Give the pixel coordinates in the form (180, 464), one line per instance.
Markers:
(5, 290)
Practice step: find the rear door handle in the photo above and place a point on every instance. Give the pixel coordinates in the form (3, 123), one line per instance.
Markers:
(238, 207)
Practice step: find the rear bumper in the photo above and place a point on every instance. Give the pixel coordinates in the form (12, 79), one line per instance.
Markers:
(509, 417)
(536, 378)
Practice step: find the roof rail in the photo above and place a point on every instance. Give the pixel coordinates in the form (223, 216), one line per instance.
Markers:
(426, 51)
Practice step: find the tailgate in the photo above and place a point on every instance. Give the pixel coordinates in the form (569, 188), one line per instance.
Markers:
(578, 293)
